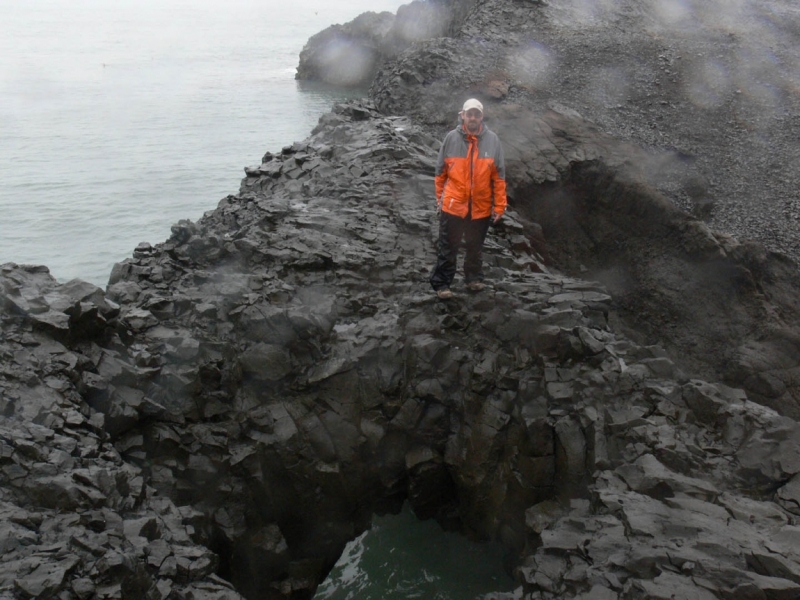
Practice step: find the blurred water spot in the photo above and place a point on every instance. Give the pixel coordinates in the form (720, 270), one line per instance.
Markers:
(532, 65)
(673, 12)
(346, 62)
(609, 86)
(708, 84)
(420, 22)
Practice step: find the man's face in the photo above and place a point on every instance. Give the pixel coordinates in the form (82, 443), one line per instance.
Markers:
(473, 119)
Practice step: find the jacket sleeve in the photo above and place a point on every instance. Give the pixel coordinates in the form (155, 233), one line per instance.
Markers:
(441, 174)
(499, 181)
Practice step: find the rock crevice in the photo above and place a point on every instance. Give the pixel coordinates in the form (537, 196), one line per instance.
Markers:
(252, 390)
(243, 397)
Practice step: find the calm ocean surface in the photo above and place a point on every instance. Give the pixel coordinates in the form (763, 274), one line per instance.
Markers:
(117, 119)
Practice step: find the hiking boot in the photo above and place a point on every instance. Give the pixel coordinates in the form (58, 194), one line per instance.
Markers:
(444, 294)
(475, 286)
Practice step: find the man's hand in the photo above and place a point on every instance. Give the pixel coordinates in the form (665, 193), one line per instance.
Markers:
(496, 217)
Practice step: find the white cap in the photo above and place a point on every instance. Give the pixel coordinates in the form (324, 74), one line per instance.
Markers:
(472, 103)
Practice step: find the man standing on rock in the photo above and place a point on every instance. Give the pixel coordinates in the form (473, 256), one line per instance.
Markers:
(470, 193)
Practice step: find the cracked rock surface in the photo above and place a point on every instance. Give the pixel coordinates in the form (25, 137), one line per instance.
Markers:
(243, 397)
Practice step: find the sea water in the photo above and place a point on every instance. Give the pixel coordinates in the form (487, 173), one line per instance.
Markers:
(118, 119)
(403, 558)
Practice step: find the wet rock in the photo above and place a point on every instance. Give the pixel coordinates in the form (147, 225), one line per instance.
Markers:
(45, 580)
(266, 361)
(72, 312)
(249, 392)
(350, 54)
(663, 291)
(788, 496)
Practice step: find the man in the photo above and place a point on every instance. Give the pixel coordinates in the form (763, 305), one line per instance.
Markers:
(470, 192)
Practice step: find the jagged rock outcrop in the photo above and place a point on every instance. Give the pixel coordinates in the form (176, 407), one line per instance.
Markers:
(708, 88)
(668, 282)
(346, 55)
(279, 371)
(243, 397)
(76, 520)
(349, 55)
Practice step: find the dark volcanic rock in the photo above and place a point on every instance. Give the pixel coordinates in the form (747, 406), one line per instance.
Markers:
(702, 298)
(296, 376)
(245, 396)
(707, 88)
(78, 521)
(349, 55)
(346, 55)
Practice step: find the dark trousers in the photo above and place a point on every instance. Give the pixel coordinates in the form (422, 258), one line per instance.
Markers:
(451, 230)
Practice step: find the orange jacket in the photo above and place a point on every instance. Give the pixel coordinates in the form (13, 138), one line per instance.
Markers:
(471, 174)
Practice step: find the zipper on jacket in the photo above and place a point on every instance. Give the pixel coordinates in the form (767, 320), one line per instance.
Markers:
(471, 158)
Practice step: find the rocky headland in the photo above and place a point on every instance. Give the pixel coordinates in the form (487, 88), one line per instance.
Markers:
(619, 407)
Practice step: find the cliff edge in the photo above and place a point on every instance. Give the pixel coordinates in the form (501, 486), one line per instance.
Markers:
(243, 397)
